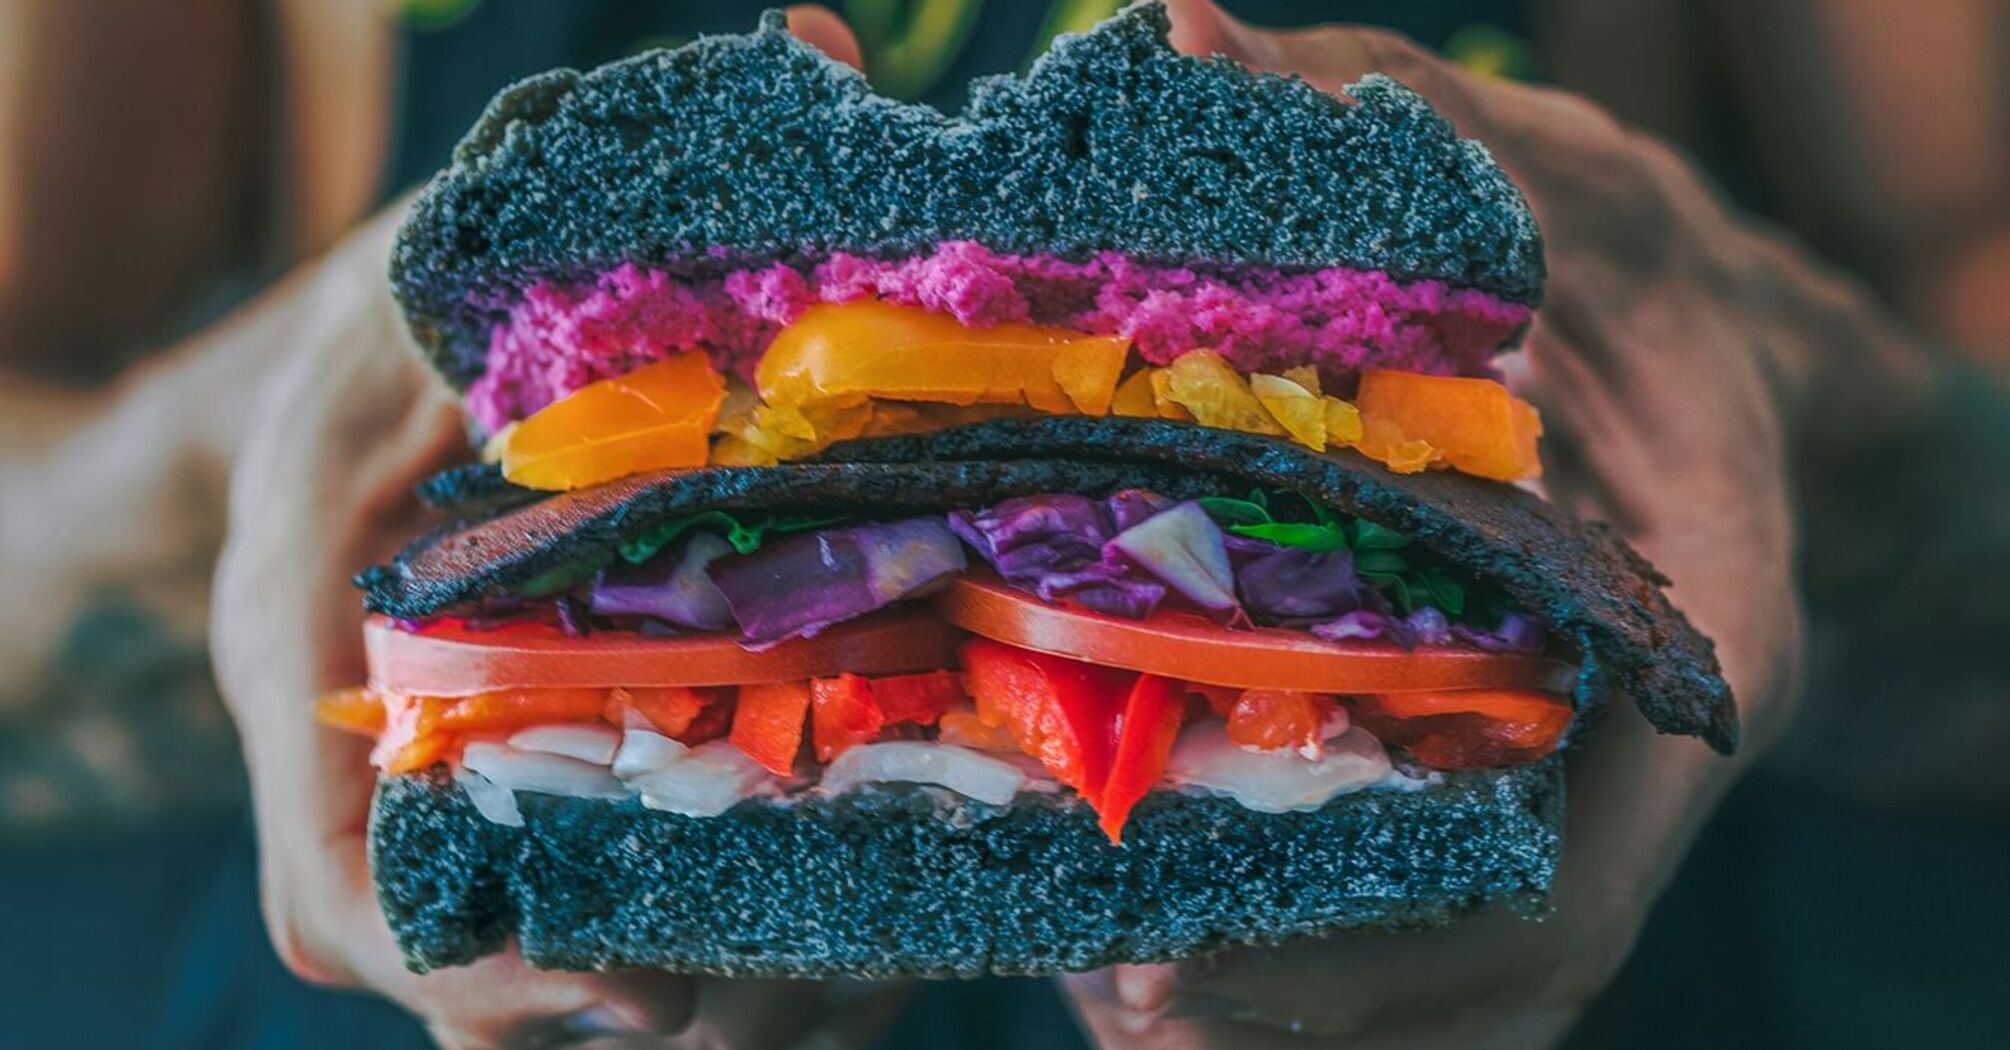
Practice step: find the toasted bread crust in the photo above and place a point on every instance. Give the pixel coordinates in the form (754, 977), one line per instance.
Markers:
(905, 881)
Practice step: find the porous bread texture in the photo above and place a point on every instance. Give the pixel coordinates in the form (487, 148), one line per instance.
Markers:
(739, 150)
(909, 881)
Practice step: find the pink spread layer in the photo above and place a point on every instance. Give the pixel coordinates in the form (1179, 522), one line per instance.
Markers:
(562, 337)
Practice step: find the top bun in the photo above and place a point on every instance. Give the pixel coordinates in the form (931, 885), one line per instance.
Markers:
(743, 150)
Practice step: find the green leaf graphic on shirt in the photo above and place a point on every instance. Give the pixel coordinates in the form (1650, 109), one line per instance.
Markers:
(427, 15)
(910, 44)
(1070, 16)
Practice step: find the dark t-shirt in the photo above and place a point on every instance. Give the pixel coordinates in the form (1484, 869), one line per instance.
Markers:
(456, 53)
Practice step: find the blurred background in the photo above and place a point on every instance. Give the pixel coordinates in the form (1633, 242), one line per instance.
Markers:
(163, 161)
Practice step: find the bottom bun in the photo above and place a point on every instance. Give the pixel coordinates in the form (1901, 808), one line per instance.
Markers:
(911, 881)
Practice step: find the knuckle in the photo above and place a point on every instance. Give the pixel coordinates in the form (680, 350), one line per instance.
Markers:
(1410, 62)
(302, 960)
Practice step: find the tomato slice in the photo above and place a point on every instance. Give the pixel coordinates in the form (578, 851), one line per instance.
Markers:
(446, 658)
(1194, 649)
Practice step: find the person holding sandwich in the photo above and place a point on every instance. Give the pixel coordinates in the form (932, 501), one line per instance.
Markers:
(1718, 520)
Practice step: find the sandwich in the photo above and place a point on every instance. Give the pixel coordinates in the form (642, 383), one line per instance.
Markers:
(1085, 529)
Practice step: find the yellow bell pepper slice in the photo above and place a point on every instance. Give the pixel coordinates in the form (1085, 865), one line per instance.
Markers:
(872, 349)
(1203, 383)
(1299, 411)
(658, 416)
(1134, 397)
(1343, 422)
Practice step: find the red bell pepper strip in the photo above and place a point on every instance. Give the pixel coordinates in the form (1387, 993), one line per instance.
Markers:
(843, 712)
(714, 719)
(768, 725)
(1220, 699)
(1270, 719)
(1466, 729)
(1062, 712)
(920, 698)
(1150, 723)
(671, 710)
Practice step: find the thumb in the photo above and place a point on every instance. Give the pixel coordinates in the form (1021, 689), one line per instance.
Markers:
(1201, 27)
(822, 28)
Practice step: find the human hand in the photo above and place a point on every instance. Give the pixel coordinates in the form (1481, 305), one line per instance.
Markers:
(1674, 362)
(350, 422)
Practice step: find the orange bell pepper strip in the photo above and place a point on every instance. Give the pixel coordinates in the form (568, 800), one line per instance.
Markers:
(850, 352)
(412, 738)
(1062, 712)
(842, 713)
(1272, 719)
(657, 416)
(919, 698)
(518, 708)
(359, 710)
(768, 725)
(1474, 424)
(1466, 729)
(672, 710)
(1150, 724)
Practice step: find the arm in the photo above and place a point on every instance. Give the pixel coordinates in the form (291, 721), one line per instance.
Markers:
(91, 93)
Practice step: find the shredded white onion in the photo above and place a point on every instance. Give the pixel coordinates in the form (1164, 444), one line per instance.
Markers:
(491, 799)
(593, 744)
(645, 751)
(705, 783)
(1276, 781)
(969, 773)
(543, 773)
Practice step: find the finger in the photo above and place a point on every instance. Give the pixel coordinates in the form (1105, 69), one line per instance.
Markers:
(1113, 1027)
(822, 28)
(500, 1003)
(1201, 27)
(862, 1012)
(788, 1014)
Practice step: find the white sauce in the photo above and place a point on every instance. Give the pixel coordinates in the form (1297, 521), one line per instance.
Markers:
(705, 781)
(542, 773)
(593, 744)
(972, 774)
(491, 799)
(709, 780)
(1275, 781)
(645, 751)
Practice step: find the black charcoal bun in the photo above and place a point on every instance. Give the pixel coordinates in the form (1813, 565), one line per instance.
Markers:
(751, 149)
(914, 881)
